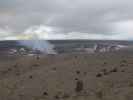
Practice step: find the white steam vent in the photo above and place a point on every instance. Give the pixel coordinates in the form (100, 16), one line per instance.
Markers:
(41, 45)
(35, 35)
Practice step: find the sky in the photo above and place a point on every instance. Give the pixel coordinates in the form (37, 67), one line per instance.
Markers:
(66, 19)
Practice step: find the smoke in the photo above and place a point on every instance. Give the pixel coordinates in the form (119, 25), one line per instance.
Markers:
(40, 45)
(36, 43)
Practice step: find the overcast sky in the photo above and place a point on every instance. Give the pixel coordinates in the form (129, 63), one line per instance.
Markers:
(66, 19)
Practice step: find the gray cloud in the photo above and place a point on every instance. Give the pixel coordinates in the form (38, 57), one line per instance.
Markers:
(84, 16)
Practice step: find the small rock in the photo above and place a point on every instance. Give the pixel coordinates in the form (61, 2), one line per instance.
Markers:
(104, 63)
(17, 73)
(78, 72)
(75, 57)
(114, 70)
(99, 75)
(9, 69)
(45, 93)
(105, 72)
(76, 79)
(56, 97)
(15, 66)
(79, 86)
(30, 76)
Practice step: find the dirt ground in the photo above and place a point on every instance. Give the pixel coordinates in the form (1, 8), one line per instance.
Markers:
(107, 76)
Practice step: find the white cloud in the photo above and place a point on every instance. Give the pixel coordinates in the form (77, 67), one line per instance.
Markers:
(124, 26)
(123, 29)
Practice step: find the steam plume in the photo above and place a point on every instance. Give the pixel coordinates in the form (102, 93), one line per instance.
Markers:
(41, 45)
(36, 42)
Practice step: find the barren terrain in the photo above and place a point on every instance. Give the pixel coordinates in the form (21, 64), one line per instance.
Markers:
(100, 76)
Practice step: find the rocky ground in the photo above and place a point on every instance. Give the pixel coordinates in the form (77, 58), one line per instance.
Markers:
(104, 76)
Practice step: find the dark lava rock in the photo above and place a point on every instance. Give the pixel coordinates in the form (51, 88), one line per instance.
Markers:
(76, 79)
(99, 75)
(45, 93)
(56, 97)
(75, 57)
(78, 72)
(79, 86)
(105, 72)
(17, 73)
(114, 70)
(9, 69)
(104, 63)
(15, 66)
(30, 76)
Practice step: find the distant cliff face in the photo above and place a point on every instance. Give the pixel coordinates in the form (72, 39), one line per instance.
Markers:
(89, 47)
(106, 48)
(97, 48)
(24, 51)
